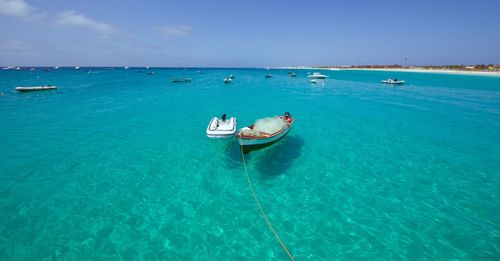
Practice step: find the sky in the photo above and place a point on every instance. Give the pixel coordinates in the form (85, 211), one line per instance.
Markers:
(248, 33)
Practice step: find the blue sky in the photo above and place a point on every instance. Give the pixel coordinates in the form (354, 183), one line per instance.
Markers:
(249, 33)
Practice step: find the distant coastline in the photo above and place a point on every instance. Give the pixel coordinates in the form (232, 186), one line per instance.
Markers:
(464, 70)
(421, 70)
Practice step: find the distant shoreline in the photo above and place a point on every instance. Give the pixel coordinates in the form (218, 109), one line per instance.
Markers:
(495, 73)
(481, 73)
(416, 70)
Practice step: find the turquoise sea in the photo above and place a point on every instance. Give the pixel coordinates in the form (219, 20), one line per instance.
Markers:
(115, 165)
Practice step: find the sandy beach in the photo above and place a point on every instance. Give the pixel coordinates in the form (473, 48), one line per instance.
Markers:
(430, 71)
(416, 70)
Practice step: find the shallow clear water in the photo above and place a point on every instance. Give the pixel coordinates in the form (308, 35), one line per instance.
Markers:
(116, 165)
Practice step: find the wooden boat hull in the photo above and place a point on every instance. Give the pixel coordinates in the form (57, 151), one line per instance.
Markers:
(249, 145)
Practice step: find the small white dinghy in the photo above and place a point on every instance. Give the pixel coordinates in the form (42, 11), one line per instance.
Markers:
(218, 128)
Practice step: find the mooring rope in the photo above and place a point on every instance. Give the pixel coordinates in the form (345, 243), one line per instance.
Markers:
(262, 210)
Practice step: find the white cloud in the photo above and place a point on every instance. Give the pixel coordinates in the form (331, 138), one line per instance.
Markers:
(15, 8)
(174, 30)
(72, 18)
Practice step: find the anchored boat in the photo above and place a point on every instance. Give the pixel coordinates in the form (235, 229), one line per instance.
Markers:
(393, 81)
(317, 75)
(182, 80)
(36, 88)
(264, 132)
(221, 128)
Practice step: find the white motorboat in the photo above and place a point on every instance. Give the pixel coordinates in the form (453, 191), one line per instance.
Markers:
(317, 75)
(393, 81)
(227, 80)
(221, 128)
(77, 67)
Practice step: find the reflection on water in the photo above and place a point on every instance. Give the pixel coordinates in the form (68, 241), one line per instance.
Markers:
(278, 158)
(270, 161)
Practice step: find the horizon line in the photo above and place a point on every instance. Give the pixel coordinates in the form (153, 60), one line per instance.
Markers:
(242, 67)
